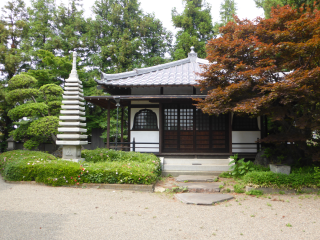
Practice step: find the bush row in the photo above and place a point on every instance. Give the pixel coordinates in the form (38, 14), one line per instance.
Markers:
(101, 166)
(277, 180)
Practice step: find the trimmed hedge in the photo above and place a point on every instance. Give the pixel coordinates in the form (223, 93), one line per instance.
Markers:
(103, 166)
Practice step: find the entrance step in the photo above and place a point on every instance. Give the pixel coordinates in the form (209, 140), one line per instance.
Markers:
(195, 161)
(187, 166)
(203, 198)
(201, 187)
(177, 173)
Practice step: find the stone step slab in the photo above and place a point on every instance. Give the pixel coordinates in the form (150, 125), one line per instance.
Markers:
(203, 198)
(201, 187)
(197, 178)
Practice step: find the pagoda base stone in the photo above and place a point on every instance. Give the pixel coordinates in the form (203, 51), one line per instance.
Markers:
(72, 153)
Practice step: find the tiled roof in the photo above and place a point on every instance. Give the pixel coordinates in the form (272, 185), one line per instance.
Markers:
(178, 73)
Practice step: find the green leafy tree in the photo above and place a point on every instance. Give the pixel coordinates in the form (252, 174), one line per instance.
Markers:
(50, 69)
(267, 5)
(122, 37)
(41, 33)
(228, 10)
(70, 25)
(6, 124)
(195, 28)
(12, 29)
(35, 110)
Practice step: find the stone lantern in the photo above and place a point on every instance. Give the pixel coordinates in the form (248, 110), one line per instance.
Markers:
(72, 118)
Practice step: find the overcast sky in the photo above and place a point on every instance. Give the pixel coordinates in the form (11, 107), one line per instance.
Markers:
(162, 9)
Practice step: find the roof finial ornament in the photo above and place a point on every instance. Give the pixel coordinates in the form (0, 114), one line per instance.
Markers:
(192, 55)
(74, 65)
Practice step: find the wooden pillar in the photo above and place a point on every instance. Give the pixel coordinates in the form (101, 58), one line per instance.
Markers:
(129, 119)
(122, 113)
(160, 127)
(108, 126)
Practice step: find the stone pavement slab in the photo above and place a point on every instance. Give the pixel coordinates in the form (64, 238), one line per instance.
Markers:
(201, 187)
(203, 198)
(196, 178)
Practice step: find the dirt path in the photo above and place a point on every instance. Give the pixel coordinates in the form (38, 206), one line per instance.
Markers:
(41, 212)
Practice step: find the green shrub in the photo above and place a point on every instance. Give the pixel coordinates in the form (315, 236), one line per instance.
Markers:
(255, 192)
(238, 188)
(270, 179)
(118, 167)
(240, 167)
(226, 175)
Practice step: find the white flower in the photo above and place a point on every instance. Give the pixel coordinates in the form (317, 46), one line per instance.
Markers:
(28, 163)
(116, 172)
(67, 181)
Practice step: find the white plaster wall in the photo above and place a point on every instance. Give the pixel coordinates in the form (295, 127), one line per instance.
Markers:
(245, 137)
(144, 136)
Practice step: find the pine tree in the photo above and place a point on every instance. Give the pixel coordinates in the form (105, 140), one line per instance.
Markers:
(267, 5)
(195, 24)
(70, 24)
(41, 30)
(227, 11)
(122, 37)
(12, 30)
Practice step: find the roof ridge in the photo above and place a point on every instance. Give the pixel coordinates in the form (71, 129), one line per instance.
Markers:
(138, 71)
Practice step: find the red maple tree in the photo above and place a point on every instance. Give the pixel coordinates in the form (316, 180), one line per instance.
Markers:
(268, 67)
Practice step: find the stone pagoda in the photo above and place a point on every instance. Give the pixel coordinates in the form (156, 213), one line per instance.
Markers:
(72, 117)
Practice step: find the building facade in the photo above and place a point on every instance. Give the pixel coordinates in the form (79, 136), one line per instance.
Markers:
(162, 115)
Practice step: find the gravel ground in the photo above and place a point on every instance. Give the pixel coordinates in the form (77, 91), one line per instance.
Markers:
(41, 212)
